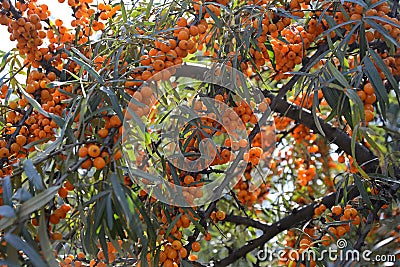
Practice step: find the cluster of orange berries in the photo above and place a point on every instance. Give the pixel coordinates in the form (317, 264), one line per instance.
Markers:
(173, 250)
(342, 159)
(27, 31)
(315, 235)
(217, 216)
(94, 154)
(81, 260)
(169, 52)
(63, 191)
(198, 6)
(22, 129)
(348, 215)
(57, 215)
(367, 95)
(171, 254)
(247, 194)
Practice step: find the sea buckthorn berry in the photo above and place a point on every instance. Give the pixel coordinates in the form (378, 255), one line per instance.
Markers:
(177, 245)
(196, 246)
(115, 121)
(83, 152)
(337, 210)
(62, 192)
(220, 215)
(181, 22)
(183, 252)
(4, 152)
(103, 132)
(99, 163)
(94, 151)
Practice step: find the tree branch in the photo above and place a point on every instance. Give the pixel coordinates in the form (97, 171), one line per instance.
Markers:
(363, 155)
(246, 221)
(286, 223)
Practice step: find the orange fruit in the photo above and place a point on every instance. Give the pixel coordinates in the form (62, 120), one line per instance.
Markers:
(183, 35)
(337, 210)
(177, 245)
(172, 254)
(94, 151)
(370, 99)
(99, 163)
(188, 179)
(196, 246)
(220, 215)
(115, 121)
(20, 139)
(158, 65)
(87, 164)
(4, 152)
(207, 236)
(69, 186)
(63, 192)
(146, 91)
(368, 88)
(103, 132)
(183, 252)
(57, 236)
(54, 219)
(181, 22)
(82, 152)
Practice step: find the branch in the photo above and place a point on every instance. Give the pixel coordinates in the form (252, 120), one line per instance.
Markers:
(246, 221)
(363, 155)
(286, 223)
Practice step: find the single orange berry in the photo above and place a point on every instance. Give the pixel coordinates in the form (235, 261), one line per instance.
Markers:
(103, 132)
(63, 192)
(220, 215)
(94, 151)
(177, 245)
(99, 163)
(196, 246)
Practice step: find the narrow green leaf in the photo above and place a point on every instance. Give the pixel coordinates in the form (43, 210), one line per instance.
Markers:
(123, 11)
(114, 101)
(35, 203)
(33, 175)
(120, 196)
(350, 93)
(109, 212)
(314, 112)
(363, 191)
(45, 241)
(148, 8)
(363, 41)
(7, 191)
(7, 211)
(82, 56)
(217, 21)
(379, 87)
(19, 244)
(379, 62)
(186, 264)
(89, 69)
(338, 75)
(382, 31)
(353, 151)
(172, 224)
